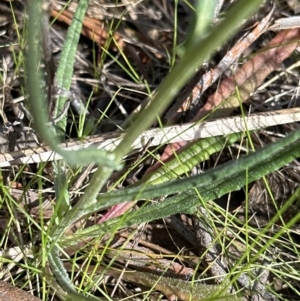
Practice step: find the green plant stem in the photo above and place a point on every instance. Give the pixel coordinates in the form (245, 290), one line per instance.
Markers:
(196, 53)
(198, 49)
(39, 108)
(64, 280)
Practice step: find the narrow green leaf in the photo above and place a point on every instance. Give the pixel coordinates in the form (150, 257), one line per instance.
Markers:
(249, 169)
(63, 77)
(195, 153)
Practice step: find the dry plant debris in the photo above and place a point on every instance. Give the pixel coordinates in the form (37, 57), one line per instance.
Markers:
(9, 292)
(117, 39)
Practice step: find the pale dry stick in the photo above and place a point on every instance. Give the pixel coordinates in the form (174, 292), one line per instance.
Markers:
(208, 247)
(276, 77)
(286, 23)
(159, 136)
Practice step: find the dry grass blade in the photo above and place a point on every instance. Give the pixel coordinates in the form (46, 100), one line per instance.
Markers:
(159, 136)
